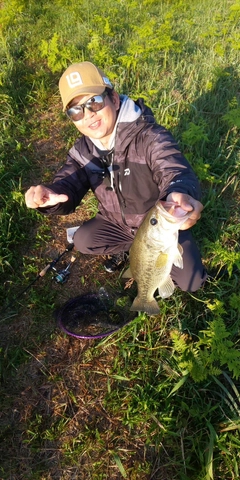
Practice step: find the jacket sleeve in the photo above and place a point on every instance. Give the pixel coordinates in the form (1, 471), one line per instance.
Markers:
(171, 171)
(71, 180)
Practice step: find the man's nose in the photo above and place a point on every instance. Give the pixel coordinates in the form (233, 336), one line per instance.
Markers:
(88, 113)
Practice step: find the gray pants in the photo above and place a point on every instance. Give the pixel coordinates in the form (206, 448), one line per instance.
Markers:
(99, 236)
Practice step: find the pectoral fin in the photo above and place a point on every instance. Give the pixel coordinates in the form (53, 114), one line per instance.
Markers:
(178, 261)
(180, 249)
(162, 260)
(167, 289)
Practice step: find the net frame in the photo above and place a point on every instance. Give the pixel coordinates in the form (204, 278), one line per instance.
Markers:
(99, 305)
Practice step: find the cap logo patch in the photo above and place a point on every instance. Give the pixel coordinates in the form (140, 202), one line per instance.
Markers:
(74, 79)
(107, 81)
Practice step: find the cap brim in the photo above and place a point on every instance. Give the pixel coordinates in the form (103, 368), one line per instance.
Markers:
(83, 91)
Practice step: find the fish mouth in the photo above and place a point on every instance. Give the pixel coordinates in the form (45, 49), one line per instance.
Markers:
(168, 213)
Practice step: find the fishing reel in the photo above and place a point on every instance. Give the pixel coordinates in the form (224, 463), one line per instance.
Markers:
(62, 276)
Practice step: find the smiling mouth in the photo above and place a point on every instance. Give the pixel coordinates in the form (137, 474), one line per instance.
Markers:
(95, 125)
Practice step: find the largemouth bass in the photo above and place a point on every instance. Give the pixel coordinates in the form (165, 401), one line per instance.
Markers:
(154, 251)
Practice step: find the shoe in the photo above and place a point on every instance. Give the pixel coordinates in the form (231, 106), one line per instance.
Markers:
(115, 262)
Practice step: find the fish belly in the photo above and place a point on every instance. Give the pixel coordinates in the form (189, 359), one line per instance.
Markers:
(151, 272)
(147, 283)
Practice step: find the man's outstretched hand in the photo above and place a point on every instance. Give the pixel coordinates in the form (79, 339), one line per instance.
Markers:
(41, 196)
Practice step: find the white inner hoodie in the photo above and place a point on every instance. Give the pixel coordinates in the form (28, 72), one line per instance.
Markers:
(128, 112)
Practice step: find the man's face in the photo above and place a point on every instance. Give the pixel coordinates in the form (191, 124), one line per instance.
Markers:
(98, 125)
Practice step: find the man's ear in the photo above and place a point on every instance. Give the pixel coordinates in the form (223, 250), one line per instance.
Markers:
(116, 99)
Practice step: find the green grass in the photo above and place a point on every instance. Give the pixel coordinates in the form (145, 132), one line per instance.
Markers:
(161, 398)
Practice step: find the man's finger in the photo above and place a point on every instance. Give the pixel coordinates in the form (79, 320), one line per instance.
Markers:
(51, 199)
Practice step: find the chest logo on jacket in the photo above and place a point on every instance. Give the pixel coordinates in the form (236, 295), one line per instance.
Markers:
(126, 172)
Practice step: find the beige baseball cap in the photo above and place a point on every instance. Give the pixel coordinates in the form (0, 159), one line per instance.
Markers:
(82, 79)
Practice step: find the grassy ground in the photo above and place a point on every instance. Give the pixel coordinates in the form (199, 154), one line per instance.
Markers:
(159, 399)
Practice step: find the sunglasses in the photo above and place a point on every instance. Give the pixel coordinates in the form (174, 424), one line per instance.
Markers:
(94, 104)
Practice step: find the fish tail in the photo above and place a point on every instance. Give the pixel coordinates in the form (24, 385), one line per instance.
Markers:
(151, 308)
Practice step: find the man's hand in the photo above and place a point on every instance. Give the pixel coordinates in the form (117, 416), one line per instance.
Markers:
(188, 204)
(41, 196)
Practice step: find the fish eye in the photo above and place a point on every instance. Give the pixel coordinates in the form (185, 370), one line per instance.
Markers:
(153, 221)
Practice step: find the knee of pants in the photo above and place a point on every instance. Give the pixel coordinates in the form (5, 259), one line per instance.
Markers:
(82, 240)
(193, 282)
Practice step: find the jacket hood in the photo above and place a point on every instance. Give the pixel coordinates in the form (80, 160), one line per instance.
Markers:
(127, 130)
(146, 112)
(131, 112)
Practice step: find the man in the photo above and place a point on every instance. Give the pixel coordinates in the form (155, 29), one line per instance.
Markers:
(129, 162)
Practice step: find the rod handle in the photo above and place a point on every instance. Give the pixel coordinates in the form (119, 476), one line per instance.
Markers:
(44, 271)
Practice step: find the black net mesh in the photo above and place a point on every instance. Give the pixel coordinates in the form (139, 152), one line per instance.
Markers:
(89, 316)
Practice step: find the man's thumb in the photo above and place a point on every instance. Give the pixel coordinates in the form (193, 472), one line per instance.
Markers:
(62, 198)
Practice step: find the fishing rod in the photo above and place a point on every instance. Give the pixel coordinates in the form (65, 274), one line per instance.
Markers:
(61, 277)
(49, 266)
